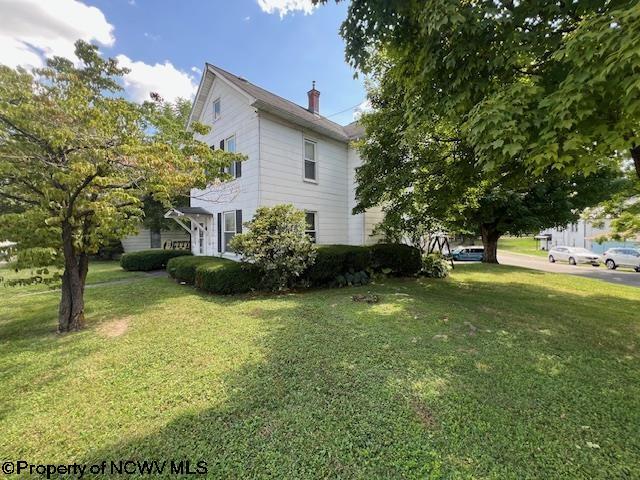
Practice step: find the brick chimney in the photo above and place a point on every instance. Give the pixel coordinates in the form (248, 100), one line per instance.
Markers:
(314, 99)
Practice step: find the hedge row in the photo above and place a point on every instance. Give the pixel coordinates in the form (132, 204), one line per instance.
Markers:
(147, 260)
(184, 269)
(228, 277)
(333, 261)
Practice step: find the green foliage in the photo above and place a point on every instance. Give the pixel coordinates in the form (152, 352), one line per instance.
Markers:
(397, 259)
(427, 170)
(147, 260)
(184, 268)
(228, 277)
(354, 279)
(434, 266)
(111, 250)
(546, 85)
(76, 158)
(333, 261)
(277, 245)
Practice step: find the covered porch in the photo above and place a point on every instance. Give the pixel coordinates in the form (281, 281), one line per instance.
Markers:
(198, 222)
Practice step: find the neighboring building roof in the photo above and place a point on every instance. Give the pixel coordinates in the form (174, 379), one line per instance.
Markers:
(354, 130)
(283, 108)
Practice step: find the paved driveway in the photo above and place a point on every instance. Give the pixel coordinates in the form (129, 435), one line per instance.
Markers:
(624, 276)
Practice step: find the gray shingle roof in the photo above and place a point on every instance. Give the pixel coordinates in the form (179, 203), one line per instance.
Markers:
(281, 107)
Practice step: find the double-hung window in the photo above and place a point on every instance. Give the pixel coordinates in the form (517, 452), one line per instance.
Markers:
(310, 162)
(311, 229)
(216, 109)
(229, 228)
(229, 145)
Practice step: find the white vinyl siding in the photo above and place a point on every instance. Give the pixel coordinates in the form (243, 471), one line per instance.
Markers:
(240, 121)
(142, 240)
(281, 162)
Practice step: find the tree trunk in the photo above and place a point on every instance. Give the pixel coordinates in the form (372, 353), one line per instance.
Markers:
(71, 310)
(490, 236)
(635, 155)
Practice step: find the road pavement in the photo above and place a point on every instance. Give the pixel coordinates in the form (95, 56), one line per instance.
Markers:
(620, 276)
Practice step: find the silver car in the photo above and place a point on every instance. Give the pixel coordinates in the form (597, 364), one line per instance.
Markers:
(573, 255)
(622, 257)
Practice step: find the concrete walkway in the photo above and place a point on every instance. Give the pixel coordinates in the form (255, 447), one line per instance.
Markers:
(619, 276)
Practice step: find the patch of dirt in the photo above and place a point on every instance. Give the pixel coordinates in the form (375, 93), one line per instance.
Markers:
(114, 328)
(423, 413)
(256, 312)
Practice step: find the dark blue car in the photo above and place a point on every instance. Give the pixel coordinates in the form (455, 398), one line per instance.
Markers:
(468, 254)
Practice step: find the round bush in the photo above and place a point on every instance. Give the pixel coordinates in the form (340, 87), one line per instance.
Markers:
(147, 260)
(434, 266)
(228, 277)
(183, 269)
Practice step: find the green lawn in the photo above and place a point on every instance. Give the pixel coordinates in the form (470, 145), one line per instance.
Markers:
(525, 245)
(495, 372)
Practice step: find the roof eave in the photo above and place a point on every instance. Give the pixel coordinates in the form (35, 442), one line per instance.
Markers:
(266, 107)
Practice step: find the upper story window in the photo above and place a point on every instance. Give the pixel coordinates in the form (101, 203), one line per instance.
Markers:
(310, 162)
(216, 109)
(229, 145)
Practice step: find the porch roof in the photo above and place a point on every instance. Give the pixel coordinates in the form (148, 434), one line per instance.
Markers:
(186, 211)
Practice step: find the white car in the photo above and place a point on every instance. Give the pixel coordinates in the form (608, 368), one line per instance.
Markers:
(573, 255)
(622, 257)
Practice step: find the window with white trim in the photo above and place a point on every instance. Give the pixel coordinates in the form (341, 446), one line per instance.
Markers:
(229, 219)
(311, 219)
(230, 146)
(201, 239)
(310, 162)
(216, 109)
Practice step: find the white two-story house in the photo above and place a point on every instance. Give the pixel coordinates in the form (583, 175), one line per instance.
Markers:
(294, 155)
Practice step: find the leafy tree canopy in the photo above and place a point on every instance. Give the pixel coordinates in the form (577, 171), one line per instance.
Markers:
(428, 168)
(548, 84)
(76, 158)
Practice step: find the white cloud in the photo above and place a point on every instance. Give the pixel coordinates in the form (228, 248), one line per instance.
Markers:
(284, 7)
(364, 107)
(247, 18)
(33, 30)
(195, 69)
(162, 78)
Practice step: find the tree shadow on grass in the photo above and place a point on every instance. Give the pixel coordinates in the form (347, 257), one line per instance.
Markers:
(440, 379)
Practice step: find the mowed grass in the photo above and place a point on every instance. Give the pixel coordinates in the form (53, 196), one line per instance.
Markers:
(524, 245)
(496, 372)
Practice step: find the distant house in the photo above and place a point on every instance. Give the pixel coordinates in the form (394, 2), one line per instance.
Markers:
(294, 155)
(146, 239)
(583, 233)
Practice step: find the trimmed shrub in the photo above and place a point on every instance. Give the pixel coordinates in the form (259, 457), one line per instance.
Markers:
(228, 277)
(183, 269)
(147, 260)
(435, 266)
(397, 259)
(333, 261)
(276, 243)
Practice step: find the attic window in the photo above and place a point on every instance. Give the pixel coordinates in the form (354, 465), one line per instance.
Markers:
(216, 109)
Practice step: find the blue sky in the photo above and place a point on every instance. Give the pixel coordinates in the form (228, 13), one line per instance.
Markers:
(272, 43)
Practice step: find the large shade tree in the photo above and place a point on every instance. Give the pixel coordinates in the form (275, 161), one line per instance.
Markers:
(76, 158)
(428, 167)
(536, 84)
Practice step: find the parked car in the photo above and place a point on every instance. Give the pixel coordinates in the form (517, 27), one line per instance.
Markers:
(469, 254)
(573, 255)
(622, 257)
